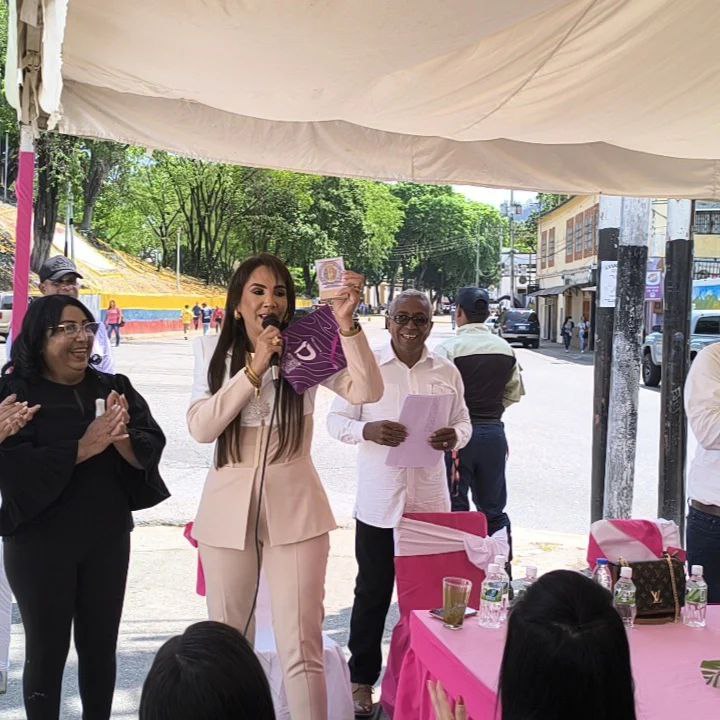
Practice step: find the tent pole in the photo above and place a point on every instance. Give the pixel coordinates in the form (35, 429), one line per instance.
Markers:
(675, 360)
(608, 232)
(625, 371)
(23, 226)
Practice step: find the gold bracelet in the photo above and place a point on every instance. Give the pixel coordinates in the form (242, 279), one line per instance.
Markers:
(254, 379)
(352, 332)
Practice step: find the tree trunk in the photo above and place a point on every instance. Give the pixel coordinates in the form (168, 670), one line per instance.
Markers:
(46, 206)
(307, 278)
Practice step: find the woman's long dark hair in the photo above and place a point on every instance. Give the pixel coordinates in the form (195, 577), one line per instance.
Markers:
(210, 672)
(566, 654)
(26, 358)
(234, 339)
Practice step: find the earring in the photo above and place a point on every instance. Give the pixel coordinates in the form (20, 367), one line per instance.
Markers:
(238, 315)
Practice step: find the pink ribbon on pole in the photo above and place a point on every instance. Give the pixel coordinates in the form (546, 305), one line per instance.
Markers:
(23, 228)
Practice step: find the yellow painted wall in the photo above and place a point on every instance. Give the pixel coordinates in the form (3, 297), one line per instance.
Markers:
(169, 302)
(707, 246)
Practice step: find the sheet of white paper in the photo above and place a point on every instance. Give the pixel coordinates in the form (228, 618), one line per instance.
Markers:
(422, 415)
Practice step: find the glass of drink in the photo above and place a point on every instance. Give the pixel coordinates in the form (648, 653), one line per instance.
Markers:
(456, 594)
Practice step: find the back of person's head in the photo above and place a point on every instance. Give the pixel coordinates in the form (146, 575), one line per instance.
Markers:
(566, 654)
(210, 672)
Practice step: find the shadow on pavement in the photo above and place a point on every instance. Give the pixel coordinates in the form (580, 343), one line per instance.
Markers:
(557, 352)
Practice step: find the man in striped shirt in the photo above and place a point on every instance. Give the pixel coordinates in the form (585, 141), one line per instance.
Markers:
(491, 375)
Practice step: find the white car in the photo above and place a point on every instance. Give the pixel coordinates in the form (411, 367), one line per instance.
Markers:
(6, 303)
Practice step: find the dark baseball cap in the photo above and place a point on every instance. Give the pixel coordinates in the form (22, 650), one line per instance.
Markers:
(468, 298)
(57, 267)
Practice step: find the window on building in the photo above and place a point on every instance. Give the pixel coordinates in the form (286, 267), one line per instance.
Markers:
(579, 236)
(595, 215)
(588, 232)
(569, 240)
(706, 223)
(551, 247)
(543, 250)
(709, 325)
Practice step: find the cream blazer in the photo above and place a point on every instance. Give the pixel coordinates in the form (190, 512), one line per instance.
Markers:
(293, 497)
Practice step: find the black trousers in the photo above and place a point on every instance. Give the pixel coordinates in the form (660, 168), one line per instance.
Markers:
(482, 474)
(375, 554)
(62, 585)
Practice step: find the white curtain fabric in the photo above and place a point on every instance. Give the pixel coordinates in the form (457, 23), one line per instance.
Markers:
(616, 96)
(415, 537)
(337, 674)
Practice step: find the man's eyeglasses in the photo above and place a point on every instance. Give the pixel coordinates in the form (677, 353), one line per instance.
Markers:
(64, 282)
(73, 329)
(418, 320)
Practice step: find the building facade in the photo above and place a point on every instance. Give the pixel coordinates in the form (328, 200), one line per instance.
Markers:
(567, 265)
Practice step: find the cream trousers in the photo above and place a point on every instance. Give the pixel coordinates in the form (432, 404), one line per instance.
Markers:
(296, 577)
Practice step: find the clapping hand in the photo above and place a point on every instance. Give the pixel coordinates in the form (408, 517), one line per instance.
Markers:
(114, 399)
(345, 304)
(441, 704)
(14, 416)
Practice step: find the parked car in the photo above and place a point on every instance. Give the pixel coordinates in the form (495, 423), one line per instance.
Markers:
(492, 323)
(704, 331)
(6, 304)
(519, 326)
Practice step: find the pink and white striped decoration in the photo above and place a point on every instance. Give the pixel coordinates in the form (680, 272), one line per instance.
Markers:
(633, 540)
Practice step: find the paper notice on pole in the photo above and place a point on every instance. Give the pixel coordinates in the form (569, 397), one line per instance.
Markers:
(422, 415)
(608, 283)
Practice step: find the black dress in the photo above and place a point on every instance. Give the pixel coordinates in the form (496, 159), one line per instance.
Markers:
(66, 534)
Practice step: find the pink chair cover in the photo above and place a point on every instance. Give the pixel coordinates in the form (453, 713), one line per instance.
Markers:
(633, 540)
(419, 587)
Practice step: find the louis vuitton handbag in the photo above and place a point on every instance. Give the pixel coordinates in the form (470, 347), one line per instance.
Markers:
(659, 588)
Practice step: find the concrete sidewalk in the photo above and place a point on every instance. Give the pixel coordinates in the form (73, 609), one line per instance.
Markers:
(161, 602)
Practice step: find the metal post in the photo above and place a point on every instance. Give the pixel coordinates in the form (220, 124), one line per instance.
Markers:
(7, 153)
(177, 261)
(625, 373)
(608, 232)
(70, 222)
(512, 251)
(477, 255)
(23, 227)
(675, 361)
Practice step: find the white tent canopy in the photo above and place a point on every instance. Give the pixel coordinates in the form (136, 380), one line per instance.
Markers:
(578, 96)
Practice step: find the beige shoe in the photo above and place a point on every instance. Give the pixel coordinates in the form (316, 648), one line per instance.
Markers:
(362, 700)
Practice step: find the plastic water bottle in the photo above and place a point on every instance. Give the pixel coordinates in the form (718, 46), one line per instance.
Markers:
(624, 597)
(491, 598)
(500, 561)
(522, 585)
(695, 598)
(601, 574)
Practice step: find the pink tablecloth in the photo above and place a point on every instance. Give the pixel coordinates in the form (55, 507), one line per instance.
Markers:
(665, 658)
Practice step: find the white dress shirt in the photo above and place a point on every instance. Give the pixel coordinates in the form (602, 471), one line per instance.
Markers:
(384, 493)
(702, 405)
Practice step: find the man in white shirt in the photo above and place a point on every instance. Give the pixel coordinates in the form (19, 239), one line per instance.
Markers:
(384, 493)
(702, 405)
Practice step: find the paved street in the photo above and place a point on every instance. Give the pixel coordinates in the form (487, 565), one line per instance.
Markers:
(549, 472)
(549, 434)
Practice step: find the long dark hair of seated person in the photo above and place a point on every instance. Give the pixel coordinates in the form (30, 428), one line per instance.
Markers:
(566, 654)
(210, 672)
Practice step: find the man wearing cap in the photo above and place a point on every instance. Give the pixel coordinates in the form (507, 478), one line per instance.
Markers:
(59, 276)
(492, 380)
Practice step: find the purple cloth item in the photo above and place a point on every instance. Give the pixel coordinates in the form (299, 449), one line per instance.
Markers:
(313, 351)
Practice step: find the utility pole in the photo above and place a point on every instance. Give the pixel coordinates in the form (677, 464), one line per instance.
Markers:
(608, 233)
(512, 251)
(625, 373)
(7, 153)
(477, 255)
(177, 262)
(677, 298)
(69, 231)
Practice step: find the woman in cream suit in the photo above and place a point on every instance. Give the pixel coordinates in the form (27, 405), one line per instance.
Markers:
(289, 517)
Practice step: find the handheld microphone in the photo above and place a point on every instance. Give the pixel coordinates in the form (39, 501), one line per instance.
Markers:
(273, 321)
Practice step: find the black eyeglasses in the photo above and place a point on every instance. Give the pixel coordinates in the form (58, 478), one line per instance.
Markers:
(403, 319)
(73, 329)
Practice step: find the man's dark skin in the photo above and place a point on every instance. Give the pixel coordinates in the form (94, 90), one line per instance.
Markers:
(408, 342)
